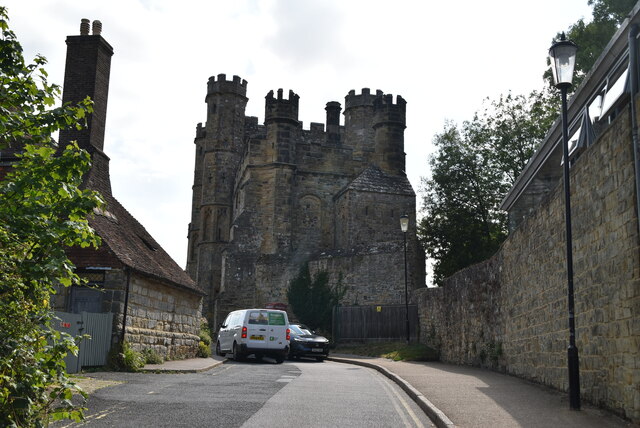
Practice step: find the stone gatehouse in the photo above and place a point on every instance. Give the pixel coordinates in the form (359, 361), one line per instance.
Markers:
(269, 197)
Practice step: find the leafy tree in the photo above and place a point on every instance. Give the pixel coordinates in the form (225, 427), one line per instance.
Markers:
(471, 171)
(594, 36)
(312, 299)
(42, 210)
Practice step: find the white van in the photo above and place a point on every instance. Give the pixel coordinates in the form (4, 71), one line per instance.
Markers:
(261, 332)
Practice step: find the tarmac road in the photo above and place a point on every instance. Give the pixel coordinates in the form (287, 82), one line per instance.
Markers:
(253, 394)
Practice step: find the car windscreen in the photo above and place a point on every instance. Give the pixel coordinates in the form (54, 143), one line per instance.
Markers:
(296, 329)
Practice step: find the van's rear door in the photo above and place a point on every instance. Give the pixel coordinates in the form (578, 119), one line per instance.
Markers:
(258, 329)
(278, 324)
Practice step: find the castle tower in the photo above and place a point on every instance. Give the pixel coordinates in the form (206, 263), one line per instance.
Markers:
(281, 119)
(283, 131)
(389, 123)
(219, 148)
(87, 70)
(358, 122)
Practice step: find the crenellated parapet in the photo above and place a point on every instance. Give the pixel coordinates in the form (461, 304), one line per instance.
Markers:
(389, 113)
(366, 98)
(221, 85)
(281, 109)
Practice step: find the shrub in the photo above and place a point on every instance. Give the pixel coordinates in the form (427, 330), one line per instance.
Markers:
(312, 298)
(125, 359)
(151, 356)
(204, 350)
(205, 334)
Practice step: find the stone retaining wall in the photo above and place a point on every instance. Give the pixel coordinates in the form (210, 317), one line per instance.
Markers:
(510, 312)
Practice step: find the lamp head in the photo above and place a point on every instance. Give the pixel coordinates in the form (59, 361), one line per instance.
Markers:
(563, 60)
(404, 222)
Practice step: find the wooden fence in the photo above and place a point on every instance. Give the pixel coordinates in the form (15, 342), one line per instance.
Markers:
(374, 323)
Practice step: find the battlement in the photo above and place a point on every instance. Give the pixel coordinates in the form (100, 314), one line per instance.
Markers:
(386, 111)
(200, 131)
(366, 98)
(281, 109)
(223, 86)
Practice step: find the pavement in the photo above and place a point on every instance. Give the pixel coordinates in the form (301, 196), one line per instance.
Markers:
(460, 396)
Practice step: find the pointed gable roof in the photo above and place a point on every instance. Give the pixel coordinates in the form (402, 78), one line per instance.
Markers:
(373, 179)
(135, 248)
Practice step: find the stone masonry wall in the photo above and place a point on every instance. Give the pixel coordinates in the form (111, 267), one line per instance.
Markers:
(162, 318)
(510, 312)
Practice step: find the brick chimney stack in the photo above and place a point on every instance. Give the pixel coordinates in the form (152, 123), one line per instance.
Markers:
(87, 74)
(87, 71)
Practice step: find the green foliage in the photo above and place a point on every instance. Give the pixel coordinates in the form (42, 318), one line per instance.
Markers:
(204, 350)
(42, 211)
(204, 346)
(471, 171)
(312, 299)
(122, 358)
(396, 351)
(205, 333)
(151, 356)
(594, 36)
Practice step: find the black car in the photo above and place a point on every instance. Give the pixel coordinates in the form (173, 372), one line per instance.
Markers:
(305, 343)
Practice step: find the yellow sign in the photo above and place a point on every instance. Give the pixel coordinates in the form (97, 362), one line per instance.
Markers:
(378, 308)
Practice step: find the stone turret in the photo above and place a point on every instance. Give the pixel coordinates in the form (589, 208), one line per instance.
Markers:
(226, 102)
(281, 119)
(358, 121)
(389, 123)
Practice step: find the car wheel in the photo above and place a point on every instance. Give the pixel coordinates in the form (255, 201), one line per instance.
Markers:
(237, 356)
(218, 351)
(321, 359)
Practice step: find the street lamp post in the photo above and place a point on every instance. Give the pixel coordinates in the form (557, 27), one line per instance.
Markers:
(563, 58)
(404, 225)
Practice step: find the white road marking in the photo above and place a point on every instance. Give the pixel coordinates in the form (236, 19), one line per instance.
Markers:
(394, 395)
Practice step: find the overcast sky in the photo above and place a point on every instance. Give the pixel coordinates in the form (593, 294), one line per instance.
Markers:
(443, 57)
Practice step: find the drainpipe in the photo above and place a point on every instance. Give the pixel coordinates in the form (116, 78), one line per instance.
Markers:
(633, 80)
(126, 305)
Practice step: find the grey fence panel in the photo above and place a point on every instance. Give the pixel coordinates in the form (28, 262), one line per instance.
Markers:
(94, 351)
(374, 323)
(70, 324)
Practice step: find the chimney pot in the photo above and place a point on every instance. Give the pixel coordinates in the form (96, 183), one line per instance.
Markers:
(97, 28)
(84, 27)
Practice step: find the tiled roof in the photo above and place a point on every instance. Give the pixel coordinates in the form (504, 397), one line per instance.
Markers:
(373, 179)
(124, 240)
(134, 247)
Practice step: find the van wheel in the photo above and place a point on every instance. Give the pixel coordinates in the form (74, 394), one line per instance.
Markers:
(321, 359)
(218, 351)
(258, 357)
(279, 359)
(237, 356)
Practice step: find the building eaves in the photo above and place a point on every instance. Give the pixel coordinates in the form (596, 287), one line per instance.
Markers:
(549, 153)
(135, 248)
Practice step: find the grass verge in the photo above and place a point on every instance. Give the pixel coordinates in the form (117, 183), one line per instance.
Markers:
(396, 351)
